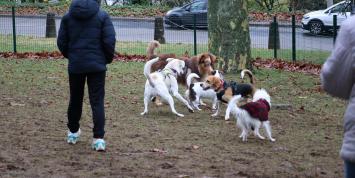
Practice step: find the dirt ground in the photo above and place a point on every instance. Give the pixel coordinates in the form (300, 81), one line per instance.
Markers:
(34, 99)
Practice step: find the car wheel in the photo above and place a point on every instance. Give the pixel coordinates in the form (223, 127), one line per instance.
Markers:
(315, 27)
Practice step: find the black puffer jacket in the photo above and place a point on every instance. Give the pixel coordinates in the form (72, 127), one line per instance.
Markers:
(86, 37)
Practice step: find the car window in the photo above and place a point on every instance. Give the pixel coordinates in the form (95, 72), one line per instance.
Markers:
(348, 7)
(198, 6)
(338, 9)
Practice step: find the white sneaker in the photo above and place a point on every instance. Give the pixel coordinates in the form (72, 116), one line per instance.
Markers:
(72, 138)
(98, 144)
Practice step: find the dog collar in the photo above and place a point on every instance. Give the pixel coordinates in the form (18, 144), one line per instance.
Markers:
(174, 71)
(221, 87)
(169, 71)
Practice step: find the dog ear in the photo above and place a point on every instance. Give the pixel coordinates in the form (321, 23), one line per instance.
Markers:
(200, 58)
(213, 60)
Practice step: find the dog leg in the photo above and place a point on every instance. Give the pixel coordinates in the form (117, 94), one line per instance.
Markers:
(202, 103)
(214, 103)
(242, 134)
(175, 90)
(196, 103)
(217, 110)
(268, 130)
(179, 97)
(257, 133)
(245, 135)
(146, 102)
(170, 100)
(239, 124)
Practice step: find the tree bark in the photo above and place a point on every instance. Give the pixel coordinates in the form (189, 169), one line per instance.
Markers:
(228, 31)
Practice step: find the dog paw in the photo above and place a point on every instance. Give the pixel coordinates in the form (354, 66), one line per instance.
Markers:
(214, 115)
(143, 113)
(273, 140)
(180, 115)
(226, 118)
(191, 110)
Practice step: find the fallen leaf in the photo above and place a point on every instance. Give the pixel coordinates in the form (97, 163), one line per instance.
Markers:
(16, 104)
(159, 150)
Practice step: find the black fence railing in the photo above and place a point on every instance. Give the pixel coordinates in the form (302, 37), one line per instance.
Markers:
(284, 40)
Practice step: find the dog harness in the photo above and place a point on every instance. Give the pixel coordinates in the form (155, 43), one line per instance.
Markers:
(259, 109)
(168, 71)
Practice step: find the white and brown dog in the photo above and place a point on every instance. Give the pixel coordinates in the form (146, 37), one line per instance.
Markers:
(252, 115)
(196, 92)
(226, 90)
(164, 83)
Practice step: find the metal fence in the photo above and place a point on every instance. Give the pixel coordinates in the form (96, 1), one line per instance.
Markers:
(28, 34)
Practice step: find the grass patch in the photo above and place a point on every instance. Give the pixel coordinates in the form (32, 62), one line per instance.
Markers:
(33, 131)
(33, 44)
(136, 10)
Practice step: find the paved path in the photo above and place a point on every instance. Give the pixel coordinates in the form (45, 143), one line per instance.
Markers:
(143, 31)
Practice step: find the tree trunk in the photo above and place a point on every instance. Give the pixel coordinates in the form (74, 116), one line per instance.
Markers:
(329, 3)
(228, 31)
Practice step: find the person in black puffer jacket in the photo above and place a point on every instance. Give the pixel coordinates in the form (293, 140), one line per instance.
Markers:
(87, 38)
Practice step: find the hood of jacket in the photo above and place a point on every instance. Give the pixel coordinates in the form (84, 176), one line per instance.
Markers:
(83, 9)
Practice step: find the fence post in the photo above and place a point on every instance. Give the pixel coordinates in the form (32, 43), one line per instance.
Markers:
(335, 24)
(14, 29)
(159, 30)
(274, 38)
(293, 38)
(195, 36)
(50, 26)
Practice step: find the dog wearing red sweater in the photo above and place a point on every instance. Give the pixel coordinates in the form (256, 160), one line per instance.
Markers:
(252, 115)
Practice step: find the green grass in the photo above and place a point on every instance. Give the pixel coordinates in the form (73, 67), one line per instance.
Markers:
(34, 99)
(33, 44)
(136, 10)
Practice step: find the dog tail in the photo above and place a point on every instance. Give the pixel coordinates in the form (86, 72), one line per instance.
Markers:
(190, 77)
(250, 74)
(232, 106)
(151, 48)
(147, 69)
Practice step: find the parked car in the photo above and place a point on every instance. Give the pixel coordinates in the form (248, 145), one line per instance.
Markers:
(184, 16)
(321, 21)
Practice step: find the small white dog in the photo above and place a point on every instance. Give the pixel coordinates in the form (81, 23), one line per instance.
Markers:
(252, 115)
(162, 83)
(196, 92)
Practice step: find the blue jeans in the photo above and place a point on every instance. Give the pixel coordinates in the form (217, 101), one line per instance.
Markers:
(349, 168)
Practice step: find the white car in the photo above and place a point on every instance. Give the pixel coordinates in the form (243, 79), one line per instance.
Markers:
(321, 21)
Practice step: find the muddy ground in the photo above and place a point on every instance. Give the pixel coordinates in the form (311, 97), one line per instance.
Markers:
(34, 99)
